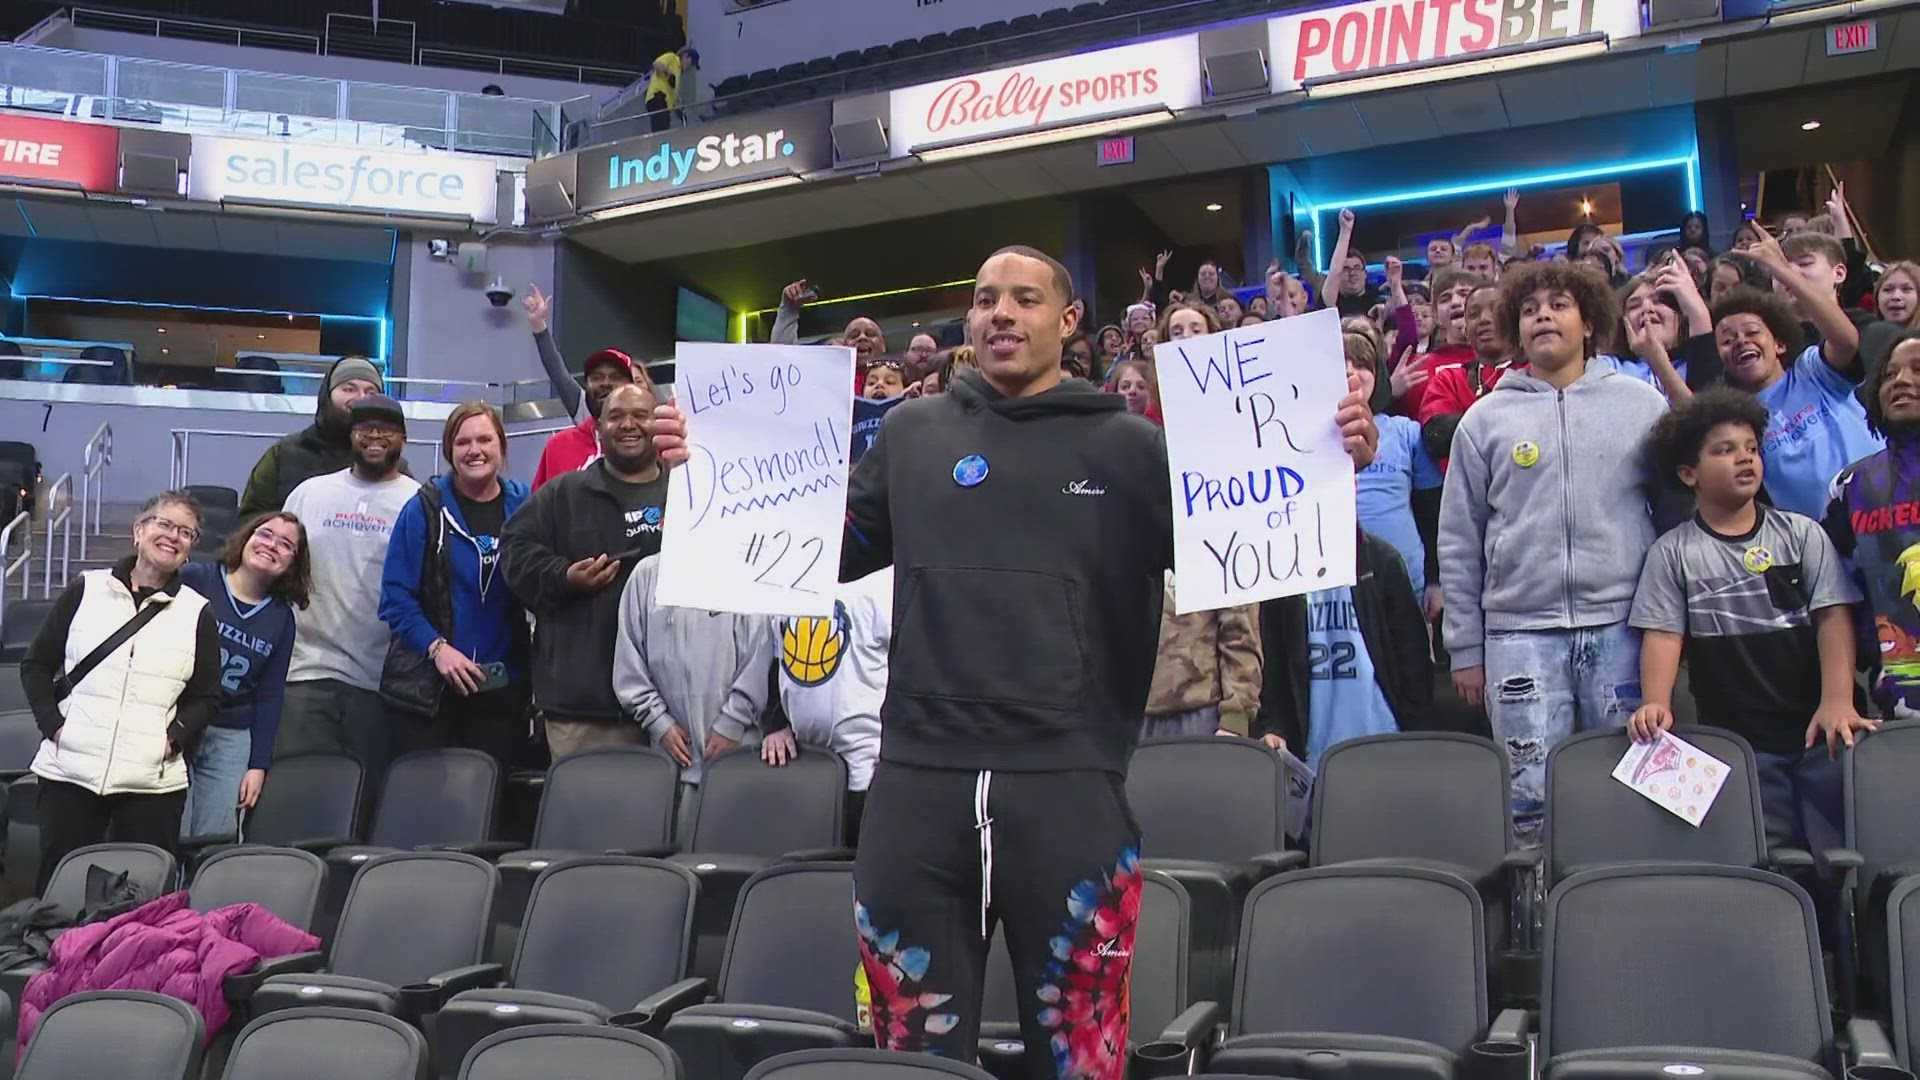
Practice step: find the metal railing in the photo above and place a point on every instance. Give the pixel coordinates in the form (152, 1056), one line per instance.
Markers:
(194, 30)
(174, 96)
(94, 459)
(22, 565)
(180, 466)
(64, 522)
(431, 56)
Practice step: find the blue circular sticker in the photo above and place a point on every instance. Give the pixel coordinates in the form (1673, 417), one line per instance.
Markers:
(970, 470)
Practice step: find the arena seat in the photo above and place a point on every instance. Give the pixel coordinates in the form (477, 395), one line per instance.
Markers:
(124, 1034)
(749, 816)
(1213, 812)
(285, 881)
(862, 1064)
(1625, 944)
(602, 933)
(412, 932)
(578, 1053)
(786, 981)
(1374, 969)
(1167, 1027)
(299, 1044)
(617, 800)
(1882, 848)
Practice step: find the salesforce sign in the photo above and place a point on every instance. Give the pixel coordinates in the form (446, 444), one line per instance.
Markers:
(342, 177)
(751, 147)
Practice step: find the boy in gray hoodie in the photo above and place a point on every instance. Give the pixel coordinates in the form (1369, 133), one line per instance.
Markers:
(1544, 523)
(695, 681)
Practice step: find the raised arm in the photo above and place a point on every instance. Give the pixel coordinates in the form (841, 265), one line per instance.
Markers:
(540, 320)
(1840, 339)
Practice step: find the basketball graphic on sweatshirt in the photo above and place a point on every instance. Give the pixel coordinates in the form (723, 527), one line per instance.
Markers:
(811, 647)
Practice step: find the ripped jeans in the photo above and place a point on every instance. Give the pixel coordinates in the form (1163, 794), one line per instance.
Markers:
(1544, 685)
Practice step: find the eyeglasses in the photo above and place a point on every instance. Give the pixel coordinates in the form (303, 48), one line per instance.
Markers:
(279, 543)
(173, 528)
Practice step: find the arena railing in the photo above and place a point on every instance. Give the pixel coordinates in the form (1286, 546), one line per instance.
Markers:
(9, 566)
(229, 101)
(62, 520)
(95, 458)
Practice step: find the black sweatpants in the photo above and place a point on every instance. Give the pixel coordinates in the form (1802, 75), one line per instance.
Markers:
(71, 817)
(1052, 857)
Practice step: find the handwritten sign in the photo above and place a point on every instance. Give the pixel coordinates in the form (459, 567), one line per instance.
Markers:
(1262, 488)
(754, 517)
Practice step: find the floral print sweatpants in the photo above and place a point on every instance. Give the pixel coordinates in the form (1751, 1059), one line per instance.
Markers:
(1050, 857)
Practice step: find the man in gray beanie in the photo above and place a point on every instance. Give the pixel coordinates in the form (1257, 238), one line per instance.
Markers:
(333, 703)
(319, 448)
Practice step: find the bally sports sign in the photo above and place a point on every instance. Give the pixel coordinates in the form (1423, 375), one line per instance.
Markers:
(1110, 82)
(1356, 38)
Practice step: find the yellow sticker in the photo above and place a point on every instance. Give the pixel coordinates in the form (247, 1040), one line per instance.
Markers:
(1758, 559)
(1526, 454)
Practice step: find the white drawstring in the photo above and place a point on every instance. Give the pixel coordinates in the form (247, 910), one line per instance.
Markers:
(984, 826)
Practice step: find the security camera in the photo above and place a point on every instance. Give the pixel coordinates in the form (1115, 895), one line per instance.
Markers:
(439, 249)
(497, 292)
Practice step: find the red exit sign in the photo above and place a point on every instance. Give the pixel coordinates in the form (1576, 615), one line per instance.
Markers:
(1853, 37)
(1116, 151)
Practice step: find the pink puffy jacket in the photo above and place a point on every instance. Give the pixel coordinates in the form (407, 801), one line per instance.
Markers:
(166, 947)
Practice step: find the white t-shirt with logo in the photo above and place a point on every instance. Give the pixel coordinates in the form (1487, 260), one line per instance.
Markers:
(348, 523)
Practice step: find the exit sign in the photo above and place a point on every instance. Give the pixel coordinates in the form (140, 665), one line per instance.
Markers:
(1116, 151)
(1853, 37)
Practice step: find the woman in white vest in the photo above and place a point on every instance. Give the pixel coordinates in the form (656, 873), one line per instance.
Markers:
(116, 724)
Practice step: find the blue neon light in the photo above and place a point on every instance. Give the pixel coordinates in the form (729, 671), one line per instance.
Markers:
(195, 307)
(385, 327)
(1690, 165)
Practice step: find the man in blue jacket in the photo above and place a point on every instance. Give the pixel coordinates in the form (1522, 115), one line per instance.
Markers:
(456, 625)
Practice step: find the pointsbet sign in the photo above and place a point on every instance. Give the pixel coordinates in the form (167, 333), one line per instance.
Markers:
(1356, 38)
(755, 146)
(343, 177)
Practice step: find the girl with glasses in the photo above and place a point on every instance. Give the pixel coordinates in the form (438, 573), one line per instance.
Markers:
(262, 575)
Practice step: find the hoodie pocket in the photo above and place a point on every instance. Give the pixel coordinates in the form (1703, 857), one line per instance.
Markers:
(1010, 639)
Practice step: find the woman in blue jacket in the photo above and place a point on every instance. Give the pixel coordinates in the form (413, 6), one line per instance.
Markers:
(456, 625)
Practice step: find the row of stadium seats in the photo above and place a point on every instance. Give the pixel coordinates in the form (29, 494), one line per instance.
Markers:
(1373, 969)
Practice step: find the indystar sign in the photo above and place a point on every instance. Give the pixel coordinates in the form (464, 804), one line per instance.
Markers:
(782, 142)
(342, 177)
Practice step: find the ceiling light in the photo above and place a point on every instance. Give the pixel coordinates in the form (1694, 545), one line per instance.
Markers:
(259, 337)
(916, 322)
(1811, 125)
(1214, 208)
(1586, 207)
(724, 191)
(159, 329)
(164, 350)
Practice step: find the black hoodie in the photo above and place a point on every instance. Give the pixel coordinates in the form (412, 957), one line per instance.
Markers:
(1026, 604)
(321, 447)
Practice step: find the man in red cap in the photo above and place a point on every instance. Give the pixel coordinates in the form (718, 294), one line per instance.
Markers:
(578, 446)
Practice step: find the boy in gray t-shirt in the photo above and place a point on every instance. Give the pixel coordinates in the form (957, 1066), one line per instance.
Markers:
(1758, 598)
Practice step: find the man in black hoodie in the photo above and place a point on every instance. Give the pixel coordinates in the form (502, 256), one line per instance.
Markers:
(1029, 521)
(324, 446)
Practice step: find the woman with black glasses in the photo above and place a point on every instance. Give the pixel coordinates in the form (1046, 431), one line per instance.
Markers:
(262, 575)
(122, 678)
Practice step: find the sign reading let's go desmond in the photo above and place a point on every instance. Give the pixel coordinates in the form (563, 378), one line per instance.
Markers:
(1356, 38)
(1110, 82)
(755, 146)
(342, 177)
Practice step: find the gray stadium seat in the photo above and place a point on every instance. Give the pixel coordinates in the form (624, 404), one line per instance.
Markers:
(602, 933)
(285, 881)
(1655, 966)
(20, 740)
(1163, 1019)
(577, 1053)
(414, 928)
(123, 1034)
(327, 1044)
(786, 981)
(1377, 969)
(854, 1064)
(1883, 843)
(1212, 811)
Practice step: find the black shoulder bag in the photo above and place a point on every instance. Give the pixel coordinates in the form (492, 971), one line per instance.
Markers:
(64, 682)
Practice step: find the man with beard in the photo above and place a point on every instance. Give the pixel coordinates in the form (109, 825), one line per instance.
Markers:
(319, 448)
(333, 701)
(605, 370)
(567, 556)
(1021, 661)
